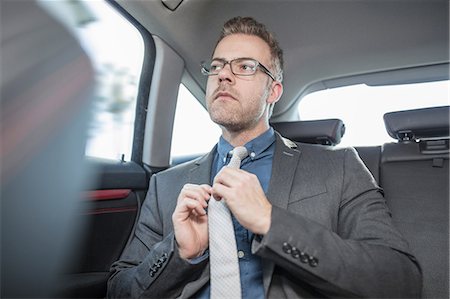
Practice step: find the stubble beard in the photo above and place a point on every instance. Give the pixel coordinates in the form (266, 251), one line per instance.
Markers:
(234, 118)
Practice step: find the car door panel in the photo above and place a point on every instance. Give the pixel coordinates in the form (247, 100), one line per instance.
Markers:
(108, 214)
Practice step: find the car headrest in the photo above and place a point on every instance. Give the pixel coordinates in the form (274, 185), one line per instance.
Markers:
(426, 123)
(324, 131)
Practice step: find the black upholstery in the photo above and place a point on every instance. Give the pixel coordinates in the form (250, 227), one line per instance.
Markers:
(418, 124)
(415, 179)
(324, 131)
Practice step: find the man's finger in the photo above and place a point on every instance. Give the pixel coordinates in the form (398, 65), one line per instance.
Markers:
(198, 194)
(187, 206)
(229, 176)
(221, 191)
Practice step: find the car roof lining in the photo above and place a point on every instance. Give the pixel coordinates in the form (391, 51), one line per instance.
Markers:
(323, 41)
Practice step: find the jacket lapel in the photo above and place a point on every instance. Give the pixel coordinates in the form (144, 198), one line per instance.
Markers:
(284, 165)
(201, 171)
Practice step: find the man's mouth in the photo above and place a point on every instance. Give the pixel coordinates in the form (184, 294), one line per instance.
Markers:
(224, 95)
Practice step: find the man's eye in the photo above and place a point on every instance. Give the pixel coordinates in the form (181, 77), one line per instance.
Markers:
(247, 67)
(215, 67)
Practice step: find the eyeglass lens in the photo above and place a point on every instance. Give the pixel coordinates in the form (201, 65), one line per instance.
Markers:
(238, 66)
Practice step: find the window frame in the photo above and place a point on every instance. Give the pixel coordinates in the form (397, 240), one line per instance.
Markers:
(144, 85)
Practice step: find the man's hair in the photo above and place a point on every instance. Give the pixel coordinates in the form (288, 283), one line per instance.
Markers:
(248, 25)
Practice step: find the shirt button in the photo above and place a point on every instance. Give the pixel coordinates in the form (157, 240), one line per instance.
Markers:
(241, 254)
(252, 155)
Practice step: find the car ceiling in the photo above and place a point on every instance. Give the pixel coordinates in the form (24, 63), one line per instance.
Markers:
(323, 40)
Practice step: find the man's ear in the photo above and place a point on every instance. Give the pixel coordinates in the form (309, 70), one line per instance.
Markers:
(275, 92)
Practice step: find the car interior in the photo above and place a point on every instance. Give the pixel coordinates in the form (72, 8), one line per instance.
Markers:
(327, 45)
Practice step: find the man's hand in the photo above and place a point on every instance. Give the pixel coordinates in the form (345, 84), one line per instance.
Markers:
(190, 221)
(245, 198)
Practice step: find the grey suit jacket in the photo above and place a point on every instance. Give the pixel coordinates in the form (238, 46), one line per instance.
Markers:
(331, 233)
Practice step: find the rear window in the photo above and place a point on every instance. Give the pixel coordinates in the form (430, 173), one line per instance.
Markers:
(194, 133)
(362, 107)
(116, 49)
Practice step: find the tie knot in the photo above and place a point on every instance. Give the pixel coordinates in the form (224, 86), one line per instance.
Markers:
(239, 154)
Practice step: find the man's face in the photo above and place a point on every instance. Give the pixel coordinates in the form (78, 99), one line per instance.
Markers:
(239, 102)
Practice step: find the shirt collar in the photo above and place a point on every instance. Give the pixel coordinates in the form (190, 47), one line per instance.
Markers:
(255, 147)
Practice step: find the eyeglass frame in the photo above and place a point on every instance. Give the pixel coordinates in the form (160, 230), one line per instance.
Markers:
(225, 62)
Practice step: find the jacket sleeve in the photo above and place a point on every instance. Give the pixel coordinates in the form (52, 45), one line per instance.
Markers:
(363, 255)
(150, 265)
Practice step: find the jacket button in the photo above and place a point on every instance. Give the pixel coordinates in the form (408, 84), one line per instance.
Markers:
(295, 253)
(313, 261)
(304, 257)
(287, 248)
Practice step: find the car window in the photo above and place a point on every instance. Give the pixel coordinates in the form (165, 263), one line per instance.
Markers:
(116, 50)
(193, 132)
(362, 107)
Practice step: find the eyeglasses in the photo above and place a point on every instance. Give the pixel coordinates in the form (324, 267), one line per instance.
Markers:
(238, 66)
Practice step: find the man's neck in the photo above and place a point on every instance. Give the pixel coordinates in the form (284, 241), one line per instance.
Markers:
(240, 138)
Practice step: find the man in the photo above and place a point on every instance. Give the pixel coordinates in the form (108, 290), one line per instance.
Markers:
(309, 221)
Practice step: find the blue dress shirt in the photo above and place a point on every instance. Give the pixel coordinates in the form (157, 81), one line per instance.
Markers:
(259, 162)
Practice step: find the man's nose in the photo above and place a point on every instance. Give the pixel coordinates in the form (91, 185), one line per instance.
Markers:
(226, 74)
